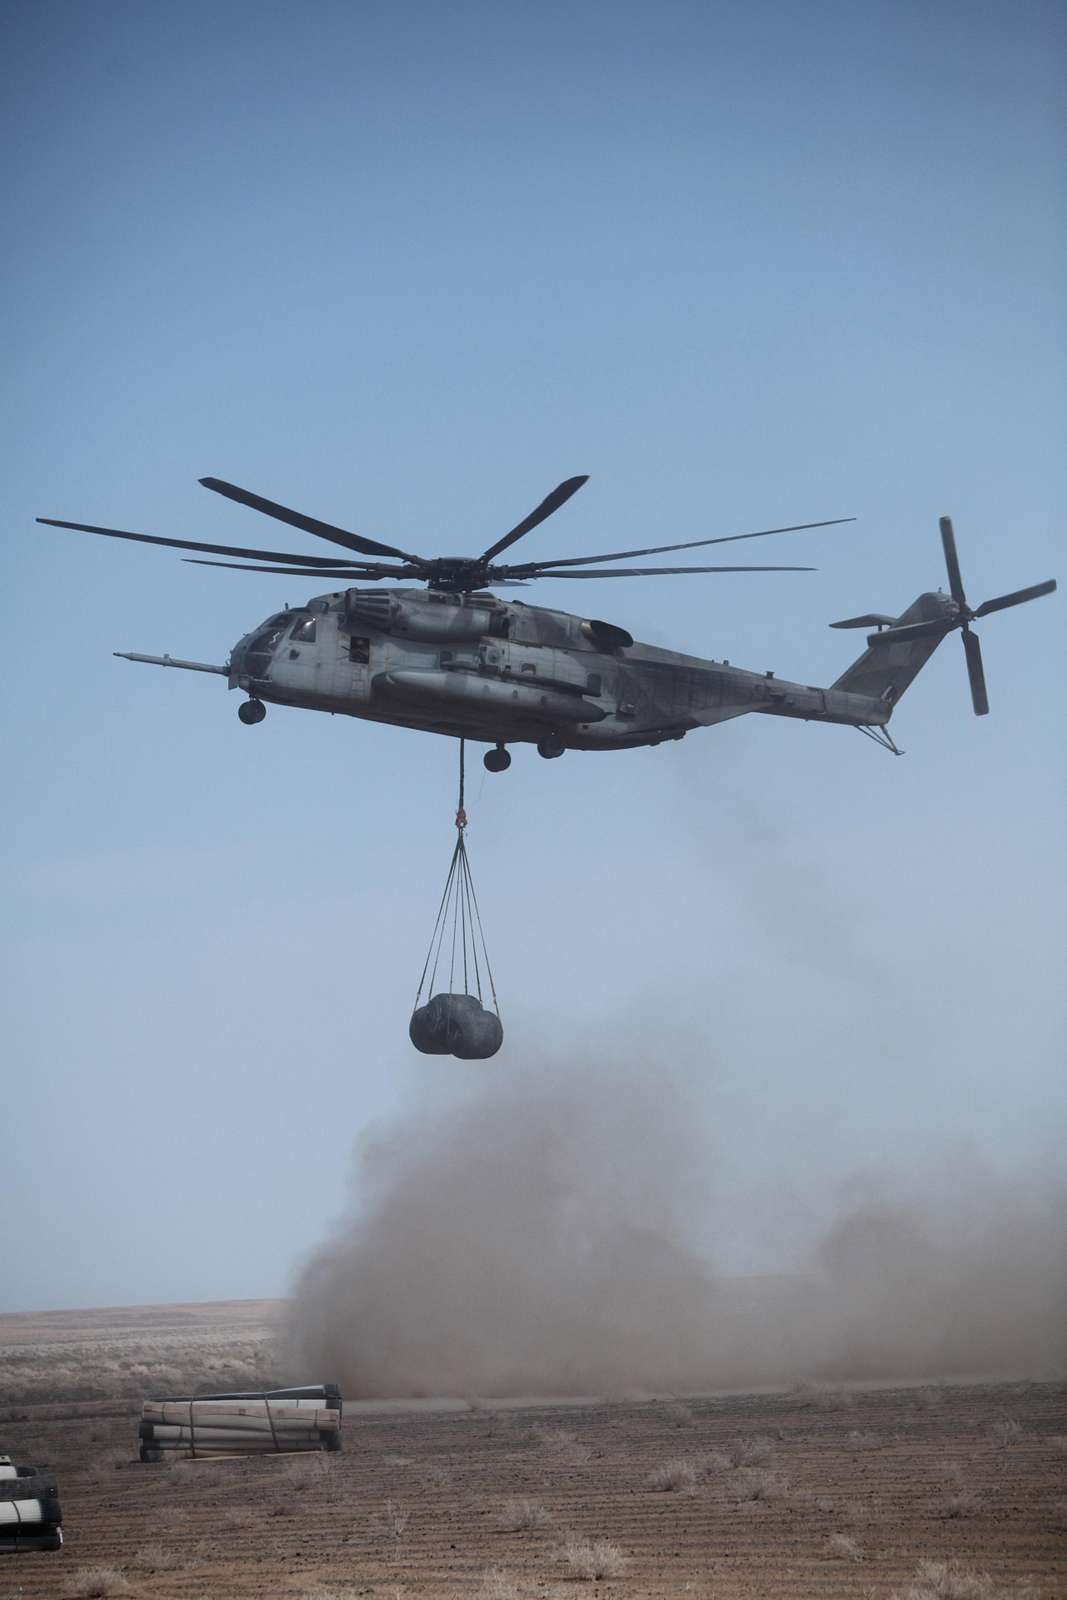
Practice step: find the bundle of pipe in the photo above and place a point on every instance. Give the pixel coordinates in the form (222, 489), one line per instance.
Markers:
(30, 1514)
(248, 1423)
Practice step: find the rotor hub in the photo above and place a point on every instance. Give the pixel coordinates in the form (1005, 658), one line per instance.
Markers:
(456, 573)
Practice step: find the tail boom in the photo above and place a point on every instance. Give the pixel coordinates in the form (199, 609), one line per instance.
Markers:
(865, 695)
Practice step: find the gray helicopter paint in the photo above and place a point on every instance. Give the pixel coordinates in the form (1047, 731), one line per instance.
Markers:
(502, 672)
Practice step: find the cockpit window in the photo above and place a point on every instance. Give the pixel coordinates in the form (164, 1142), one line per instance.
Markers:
(304, 630)
(261, 649)
(264, 643)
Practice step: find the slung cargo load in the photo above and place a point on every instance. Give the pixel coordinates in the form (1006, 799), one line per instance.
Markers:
(457, 1021)
(456, 1025)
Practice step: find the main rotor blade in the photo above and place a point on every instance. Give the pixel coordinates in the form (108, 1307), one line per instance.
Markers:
(654, 572)
(192, 544)
(552, 502)
(1017, 598)
(297, 519)
(351, 573)
(973, 652)
(952, 562)
(692, 544)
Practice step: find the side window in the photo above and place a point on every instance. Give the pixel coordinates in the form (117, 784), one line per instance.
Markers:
(359, 649)
(303, 631)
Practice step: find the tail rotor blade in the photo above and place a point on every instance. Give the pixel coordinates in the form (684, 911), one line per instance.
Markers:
(973, 652)
(1017, 598)
(952, 562)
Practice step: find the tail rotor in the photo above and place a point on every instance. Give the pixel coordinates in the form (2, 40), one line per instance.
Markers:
(961, 616)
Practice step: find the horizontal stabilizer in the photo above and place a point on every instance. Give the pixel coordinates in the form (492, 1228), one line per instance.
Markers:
(871, 619)
(914, 630)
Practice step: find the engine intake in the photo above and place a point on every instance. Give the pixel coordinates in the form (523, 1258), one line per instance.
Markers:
(429, 618)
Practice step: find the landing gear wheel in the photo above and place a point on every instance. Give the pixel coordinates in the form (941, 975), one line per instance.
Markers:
(498, 760)
(251, 712)
(550, 747)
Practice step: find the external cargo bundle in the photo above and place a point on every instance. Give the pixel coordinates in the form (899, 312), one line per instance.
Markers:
(269, 1422)
(456, 1025)
(238, 1416)
(16, 1514)
(22, 1543)
(30, 1513)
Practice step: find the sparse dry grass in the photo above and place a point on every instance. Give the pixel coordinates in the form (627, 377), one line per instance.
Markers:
(435, 1476)
(497, 1585)
(593, 1559)
(332, 1594)
(517, 1516)
(756, 1483)
(132, 1368)
(396, 1519)
(307, 1471)
(95, 1583)
(754, 1452)
(680, 1414)
(672, 1475)
(105, 1463)
(562, 1444)
(947, 1580)
(154, 1558)
(823, 1396)
(845, 1546)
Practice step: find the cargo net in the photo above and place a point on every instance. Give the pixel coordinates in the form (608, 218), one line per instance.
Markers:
(457, 1021)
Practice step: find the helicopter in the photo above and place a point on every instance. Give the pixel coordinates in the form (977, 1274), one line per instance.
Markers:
(453, 658)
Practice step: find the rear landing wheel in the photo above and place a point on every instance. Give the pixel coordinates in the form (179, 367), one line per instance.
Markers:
(498, 760)
(251, 712)
(550, 747)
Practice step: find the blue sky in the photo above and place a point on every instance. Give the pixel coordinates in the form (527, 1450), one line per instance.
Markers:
(406, 267)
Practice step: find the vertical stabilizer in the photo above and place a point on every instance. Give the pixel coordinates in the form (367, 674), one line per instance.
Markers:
(888, 665)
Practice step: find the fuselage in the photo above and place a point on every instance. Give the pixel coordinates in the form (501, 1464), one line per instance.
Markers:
(476, 666)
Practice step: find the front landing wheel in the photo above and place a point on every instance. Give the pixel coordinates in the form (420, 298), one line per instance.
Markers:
(498, 760)
(550, 747)
(251, 712)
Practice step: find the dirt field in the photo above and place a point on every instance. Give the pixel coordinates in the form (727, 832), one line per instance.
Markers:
(805, 1493)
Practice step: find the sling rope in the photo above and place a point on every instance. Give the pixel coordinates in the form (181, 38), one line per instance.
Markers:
(459, 922)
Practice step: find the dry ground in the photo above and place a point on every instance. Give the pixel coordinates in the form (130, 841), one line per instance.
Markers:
(813, 1492)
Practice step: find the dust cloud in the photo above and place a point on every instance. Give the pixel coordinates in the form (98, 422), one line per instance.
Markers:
(556, 1232)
